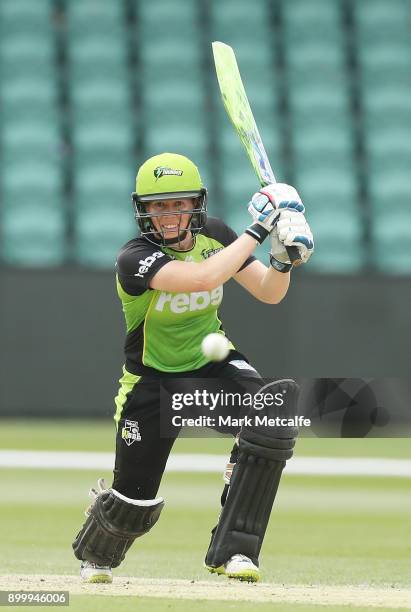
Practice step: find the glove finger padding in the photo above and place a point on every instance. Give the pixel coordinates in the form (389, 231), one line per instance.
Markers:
(262, 210)
(278, 250)
(283, 196)
(293, 230)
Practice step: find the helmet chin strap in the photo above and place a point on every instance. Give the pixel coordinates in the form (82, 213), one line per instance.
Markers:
(182, 236)
(169, 241)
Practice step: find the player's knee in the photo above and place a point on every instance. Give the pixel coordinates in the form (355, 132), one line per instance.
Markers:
(276, 439)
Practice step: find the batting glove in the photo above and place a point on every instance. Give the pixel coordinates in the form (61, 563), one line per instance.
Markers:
(291, 229)
(266, 205)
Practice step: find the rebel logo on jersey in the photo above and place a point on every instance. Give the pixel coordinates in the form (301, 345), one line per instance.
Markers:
(163, 171)
(147, 262)
(179, 303)
(206, 253)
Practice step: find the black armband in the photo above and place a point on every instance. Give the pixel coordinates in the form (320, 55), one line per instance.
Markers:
(258, 232)
(279, 265)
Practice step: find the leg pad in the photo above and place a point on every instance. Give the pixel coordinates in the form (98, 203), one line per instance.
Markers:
(114, 522)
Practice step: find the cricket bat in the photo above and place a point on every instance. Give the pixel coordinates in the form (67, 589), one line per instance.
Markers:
(238, 109)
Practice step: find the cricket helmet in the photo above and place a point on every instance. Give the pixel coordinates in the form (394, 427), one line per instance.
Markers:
(169, 176)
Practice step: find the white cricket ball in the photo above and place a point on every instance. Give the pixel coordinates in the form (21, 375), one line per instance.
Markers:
(215, 347)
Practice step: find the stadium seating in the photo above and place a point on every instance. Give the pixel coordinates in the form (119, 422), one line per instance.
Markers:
(384, 55)
(90, 88)
(33, 224)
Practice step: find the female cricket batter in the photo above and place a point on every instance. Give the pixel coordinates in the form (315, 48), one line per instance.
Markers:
(170, 281)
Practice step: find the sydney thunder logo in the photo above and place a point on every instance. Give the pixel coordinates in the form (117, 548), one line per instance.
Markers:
(164, 171)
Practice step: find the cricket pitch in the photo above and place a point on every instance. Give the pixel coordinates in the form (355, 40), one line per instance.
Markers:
(220, 589)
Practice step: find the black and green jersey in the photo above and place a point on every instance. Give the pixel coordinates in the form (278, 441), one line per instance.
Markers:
(165, 330)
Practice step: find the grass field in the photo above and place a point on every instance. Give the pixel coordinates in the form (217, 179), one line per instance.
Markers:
(324, 530)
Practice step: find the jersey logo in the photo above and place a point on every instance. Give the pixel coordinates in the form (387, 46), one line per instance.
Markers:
(130, 432)
(183, 302)
(146, 263)
(209, 252)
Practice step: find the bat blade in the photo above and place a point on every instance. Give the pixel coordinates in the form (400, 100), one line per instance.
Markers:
(239, 111)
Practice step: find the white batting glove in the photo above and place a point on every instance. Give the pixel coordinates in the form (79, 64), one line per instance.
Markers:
(264, 215)
(266, 205)
(283, 196)
(292, 229)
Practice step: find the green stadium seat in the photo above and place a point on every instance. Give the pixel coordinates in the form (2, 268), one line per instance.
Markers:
(111, 93)
(321, 90)
(182, 96)
(28, 26)
(32, 176)
(391, 236)
(33, 233)
(239, 13)
(304, 14)
(389, 140)
(322, 137)
(175, 138)
(301, 18)
(94, 11)
(99, 237)
(28, 91)
(181, 50)
(27, 67)
(376, 15)
(110, 36)
(315, 54)
(385, 40)
(332, 208)
(342, 253)
(239, 182)
(94, 180)
(327, 189)
(21, 134)
(377, 58)
(386, 75)
(179, 13)
(17, 10)
(385, 99)
(97, 52)
(188, 118)
(390, 190)
(103, 219)
(116, 137)
(26, 48)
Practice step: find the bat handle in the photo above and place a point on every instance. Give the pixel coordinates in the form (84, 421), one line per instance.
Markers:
(294, 255)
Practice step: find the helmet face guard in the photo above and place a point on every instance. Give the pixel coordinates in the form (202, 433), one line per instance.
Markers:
(145, 220)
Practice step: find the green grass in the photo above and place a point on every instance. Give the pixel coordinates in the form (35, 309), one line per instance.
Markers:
(98, 435)
(323, 530)
(344, 531)
(95, 603)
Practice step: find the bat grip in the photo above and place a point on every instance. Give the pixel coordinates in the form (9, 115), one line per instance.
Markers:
(294, 255)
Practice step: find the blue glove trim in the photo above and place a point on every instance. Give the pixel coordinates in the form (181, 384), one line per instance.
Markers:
(305, 241)
(292, 205)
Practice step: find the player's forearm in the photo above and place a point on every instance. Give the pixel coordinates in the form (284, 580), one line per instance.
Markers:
(274, 286)
(224, 265)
